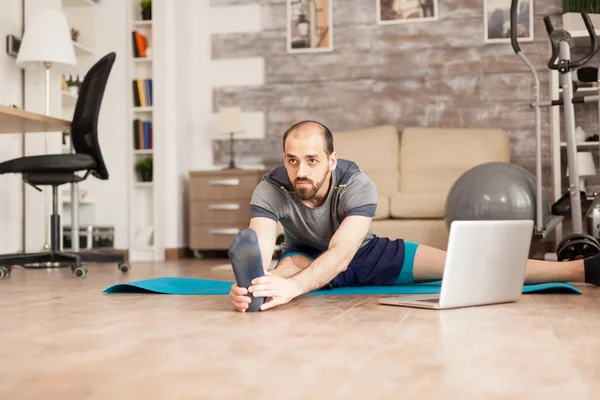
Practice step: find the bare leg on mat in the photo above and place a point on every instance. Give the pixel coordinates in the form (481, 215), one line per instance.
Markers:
(429, 265)
(291, 265)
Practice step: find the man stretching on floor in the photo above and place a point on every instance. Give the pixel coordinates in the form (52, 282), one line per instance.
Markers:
(325, 205)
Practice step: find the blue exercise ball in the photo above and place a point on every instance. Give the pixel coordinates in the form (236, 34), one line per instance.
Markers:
(494, 191)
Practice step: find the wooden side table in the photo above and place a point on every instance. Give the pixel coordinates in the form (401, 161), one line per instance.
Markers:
(219, 206)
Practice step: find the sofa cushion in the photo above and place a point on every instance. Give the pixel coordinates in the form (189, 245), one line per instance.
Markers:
(418, 205)
(360, 145)
(430, 232)
(383, 208)
(385, 181)
(432, 159)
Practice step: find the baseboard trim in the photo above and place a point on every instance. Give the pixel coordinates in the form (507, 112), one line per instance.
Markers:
(178, 253)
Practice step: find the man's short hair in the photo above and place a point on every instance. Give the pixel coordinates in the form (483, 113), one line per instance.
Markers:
(327, 135)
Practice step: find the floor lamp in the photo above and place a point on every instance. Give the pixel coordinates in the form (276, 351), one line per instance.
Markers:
(46, 42)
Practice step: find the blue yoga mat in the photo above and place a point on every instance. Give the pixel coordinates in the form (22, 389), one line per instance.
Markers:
(200, 286)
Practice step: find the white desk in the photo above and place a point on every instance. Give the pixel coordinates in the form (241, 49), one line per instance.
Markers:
(14, 120)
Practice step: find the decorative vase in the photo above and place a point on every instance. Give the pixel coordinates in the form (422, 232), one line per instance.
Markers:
(147, 14)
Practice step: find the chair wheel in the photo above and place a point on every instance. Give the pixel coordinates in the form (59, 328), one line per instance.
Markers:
(197, 254)
(4, 272)
(80, 272)
(124, 268)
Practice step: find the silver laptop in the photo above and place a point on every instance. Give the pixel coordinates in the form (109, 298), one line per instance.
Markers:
(485, 264)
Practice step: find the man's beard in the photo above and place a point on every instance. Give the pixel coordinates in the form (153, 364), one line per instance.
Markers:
(307, 192)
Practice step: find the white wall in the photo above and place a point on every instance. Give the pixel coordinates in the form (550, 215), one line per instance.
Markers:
(166, 104)
(193, 77)
(224, 72)
(114, 127)
(182, 160)
(11, 209)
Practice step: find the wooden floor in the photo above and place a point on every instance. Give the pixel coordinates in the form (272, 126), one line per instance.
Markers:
(62, 338)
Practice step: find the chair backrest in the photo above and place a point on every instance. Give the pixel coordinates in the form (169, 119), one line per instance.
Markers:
(84, 127)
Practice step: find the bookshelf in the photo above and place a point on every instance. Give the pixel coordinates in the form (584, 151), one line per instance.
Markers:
(140, 141)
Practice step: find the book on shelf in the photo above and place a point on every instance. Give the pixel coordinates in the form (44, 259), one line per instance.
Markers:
(140, 44)
(142, 134)
(142, 92)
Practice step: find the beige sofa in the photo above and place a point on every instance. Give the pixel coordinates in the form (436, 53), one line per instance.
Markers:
(414, 171)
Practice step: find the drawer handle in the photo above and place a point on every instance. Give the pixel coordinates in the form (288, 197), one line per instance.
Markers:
(224, 206)
(224, 182)
(226, 231)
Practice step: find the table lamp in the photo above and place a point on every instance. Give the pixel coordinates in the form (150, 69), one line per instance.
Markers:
(586, 167)
(230, 122)
(46, 41)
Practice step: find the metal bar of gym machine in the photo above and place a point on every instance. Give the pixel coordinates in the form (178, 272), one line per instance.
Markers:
(576, 100)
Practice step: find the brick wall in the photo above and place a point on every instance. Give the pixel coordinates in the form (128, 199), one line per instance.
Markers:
(437, 73)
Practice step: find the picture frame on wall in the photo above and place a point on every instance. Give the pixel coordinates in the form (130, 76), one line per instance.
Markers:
(496, 24)
(406, 11)
(309, 26)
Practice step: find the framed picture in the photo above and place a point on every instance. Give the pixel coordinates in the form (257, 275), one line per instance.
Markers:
(309, 26)
(406, 11)
(496, 23)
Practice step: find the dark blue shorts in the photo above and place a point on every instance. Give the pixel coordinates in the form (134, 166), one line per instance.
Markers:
(381, 262)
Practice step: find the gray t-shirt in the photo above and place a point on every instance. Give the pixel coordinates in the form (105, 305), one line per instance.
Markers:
(352, 192)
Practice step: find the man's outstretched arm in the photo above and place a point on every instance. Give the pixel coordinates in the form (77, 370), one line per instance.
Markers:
(342, 248)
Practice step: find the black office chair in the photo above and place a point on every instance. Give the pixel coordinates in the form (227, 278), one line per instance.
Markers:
(58, 169)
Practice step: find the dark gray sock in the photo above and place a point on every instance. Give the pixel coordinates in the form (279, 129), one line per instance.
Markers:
(245, 257)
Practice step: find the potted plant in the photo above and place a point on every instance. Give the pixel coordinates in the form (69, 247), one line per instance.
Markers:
(146, 6)
(144, 169)
(578, 6)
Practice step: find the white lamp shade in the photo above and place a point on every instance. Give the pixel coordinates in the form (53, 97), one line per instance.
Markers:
(47, 38)
(585, 164)
(230, 120)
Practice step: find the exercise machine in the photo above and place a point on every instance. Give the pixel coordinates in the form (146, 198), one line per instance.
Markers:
(578, 244)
